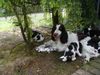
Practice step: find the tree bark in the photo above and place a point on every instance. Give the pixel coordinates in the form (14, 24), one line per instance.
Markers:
(26, 22)
(21, 26)
(55, 16)
(98, 9)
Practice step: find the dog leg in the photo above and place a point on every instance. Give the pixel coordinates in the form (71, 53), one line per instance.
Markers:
(87, 58)
(73, 56)
(79, 54)
(64, 59)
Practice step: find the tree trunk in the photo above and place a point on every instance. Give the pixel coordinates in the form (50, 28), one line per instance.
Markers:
(18, 18)
(26, 23)
(55, 16)
(98, 9)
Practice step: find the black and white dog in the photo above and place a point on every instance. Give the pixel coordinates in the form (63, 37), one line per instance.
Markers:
(68, 42)
(63, 41)
(37, 36)
(70, 52)
(63, 38)
(92, 31)
(90, 47)
(91, 43)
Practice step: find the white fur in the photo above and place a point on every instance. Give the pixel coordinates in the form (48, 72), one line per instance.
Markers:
(58, 46)
(73, 57)
(57, 30)
(72, 37)
(41, 38)
(99, 44)
(44, 48)
(88, 51)
(74, 54)
(64, 59)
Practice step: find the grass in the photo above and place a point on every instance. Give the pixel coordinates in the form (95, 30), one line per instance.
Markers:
(37, 20)
(5, 25)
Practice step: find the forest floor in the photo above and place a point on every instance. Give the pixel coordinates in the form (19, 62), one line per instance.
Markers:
(17, 59)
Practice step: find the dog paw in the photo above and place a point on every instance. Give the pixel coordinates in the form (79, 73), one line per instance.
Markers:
(86, 60)
(80, 55)
(73, 59)
(47, 50)
(62, 57)
(97, 54)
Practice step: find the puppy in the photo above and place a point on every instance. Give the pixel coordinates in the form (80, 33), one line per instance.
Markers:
(88, 50)
(37, 36)
(71, 51)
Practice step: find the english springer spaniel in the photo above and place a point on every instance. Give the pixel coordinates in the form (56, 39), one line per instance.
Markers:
(70, 52)
(37, 36)
(90, 48)
(92, 31)
(64, 38)
(69, 43)
(61, 39)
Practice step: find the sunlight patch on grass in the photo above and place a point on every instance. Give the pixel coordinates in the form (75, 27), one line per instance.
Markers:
(37, 19)
(40, 19)
(5, 25)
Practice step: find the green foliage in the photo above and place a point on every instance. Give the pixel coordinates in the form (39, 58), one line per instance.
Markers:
(77, 13)
(88, 12)
(19, 8)
(6, 6)
(73, 10)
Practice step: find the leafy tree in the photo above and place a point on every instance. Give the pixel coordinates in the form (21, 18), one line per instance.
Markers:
(88, 12)
(73, 10)
(19, 8)
(52, 6)
(78, 12)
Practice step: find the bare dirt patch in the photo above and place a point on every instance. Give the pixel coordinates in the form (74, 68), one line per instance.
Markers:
(15, 59)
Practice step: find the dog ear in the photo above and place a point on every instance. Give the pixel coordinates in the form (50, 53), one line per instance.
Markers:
(53, 29)
(64, 37)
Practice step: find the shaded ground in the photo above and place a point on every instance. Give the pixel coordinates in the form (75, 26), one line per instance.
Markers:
(91, 68)
(15, 58)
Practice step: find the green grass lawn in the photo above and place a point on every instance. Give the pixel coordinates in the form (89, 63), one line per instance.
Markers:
(5, 25)
(37, 20)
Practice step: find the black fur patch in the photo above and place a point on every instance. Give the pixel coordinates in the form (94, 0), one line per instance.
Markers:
(34, 33)
(94, 42)
(38, 37)
(98, 50)
(94, 32)
(74, 44)
(80, 47)
(70, 47)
